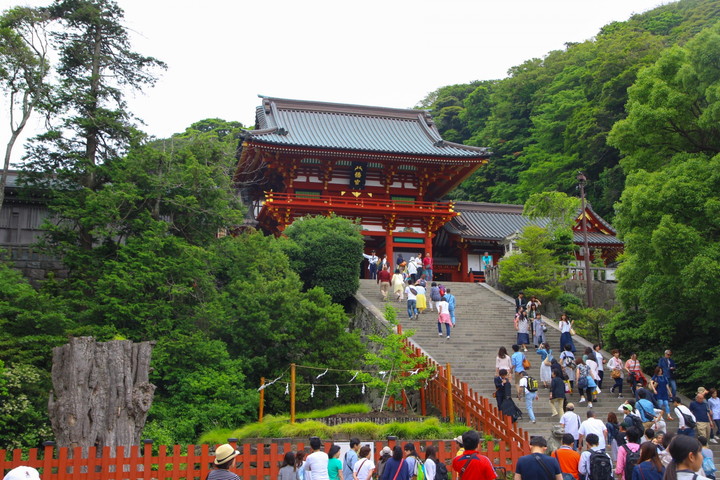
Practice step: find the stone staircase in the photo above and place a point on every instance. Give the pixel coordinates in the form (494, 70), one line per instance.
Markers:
(484, 323)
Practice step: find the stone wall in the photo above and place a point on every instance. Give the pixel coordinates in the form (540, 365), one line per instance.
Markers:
(33, 265)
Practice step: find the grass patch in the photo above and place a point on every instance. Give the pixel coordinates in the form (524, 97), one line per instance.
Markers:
(308, 428)
(359, 429)
(337, 410)
(279, 426)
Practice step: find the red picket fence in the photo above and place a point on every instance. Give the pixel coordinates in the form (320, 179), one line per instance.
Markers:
(257, 461)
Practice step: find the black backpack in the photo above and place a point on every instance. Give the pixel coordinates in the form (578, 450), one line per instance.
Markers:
(635, 421)
(631, 459)
(601, 466)
(441, 471)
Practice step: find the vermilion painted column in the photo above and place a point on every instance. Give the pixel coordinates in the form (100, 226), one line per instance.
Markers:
(390, 251)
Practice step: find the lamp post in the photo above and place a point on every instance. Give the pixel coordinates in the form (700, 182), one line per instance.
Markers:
(582, 180)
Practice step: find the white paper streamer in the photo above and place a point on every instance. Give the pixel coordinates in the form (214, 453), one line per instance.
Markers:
(354, 377)
(262, 387)
(287, 389)
(363, 389)
(322, 374)
(312, 391)
(337, 391)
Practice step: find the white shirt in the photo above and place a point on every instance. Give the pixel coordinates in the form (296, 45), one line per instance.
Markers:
(523, 383)
(317, 464)
(363, 468)
(411, 267)
(596, 426)
(430, 469)
(409, 294)
(599, 357)
(593, 368)
(571, 421)
(681, 420)
(443, 307)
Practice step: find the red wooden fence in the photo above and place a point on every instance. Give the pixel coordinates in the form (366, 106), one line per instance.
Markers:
(257, 461)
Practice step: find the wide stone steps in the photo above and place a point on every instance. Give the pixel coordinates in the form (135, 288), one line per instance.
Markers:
(484, 323)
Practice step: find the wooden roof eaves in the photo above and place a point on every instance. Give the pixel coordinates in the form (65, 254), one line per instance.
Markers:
(254, 142)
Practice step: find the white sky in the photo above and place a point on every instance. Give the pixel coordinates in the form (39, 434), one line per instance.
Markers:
(392, 53)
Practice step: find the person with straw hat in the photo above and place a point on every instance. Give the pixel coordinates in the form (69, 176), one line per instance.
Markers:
(224, 460)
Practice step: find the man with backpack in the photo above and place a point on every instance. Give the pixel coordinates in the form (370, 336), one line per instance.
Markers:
(537, 465)
(472, 465)
(629, 454)
(645, 408)
(351, 456)
(531, 387)
(686, 419)
(595, 463)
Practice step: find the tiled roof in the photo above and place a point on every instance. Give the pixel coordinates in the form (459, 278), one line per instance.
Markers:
(337, 126)
(493, 221)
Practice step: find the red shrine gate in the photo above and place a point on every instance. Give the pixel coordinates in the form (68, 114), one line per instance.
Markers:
(387, 167)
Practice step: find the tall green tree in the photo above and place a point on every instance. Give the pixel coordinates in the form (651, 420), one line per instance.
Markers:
(91, 126)
(535, 269)
(326, 252)
(24, 67)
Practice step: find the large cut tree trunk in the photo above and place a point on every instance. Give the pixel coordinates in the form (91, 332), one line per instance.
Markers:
(101, 393)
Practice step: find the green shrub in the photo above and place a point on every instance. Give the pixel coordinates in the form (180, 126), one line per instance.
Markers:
(308, 428)
(269, 428)
(565, 299)
(365, 430)
(218, 436)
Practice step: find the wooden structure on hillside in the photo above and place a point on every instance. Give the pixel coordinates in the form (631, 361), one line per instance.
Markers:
(387, 167)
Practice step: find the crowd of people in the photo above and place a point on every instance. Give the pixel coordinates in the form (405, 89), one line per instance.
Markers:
(644, 434)
(413, 283)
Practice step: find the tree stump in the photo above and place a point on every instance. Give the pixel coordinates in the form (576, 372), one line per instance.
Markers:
(101, 393)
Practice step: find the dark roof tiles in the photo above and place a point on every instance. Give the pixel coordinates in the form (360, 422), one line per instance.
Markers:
(323, 125)
(495, 221)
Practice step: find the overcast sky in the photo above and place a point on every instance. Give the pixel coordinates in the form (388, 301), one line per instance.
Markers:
(391, 53)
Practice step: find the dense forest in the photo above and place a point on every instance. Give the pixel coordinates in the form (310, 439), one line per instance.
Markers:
(637, 109)
(139, 222)
(551, 116)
